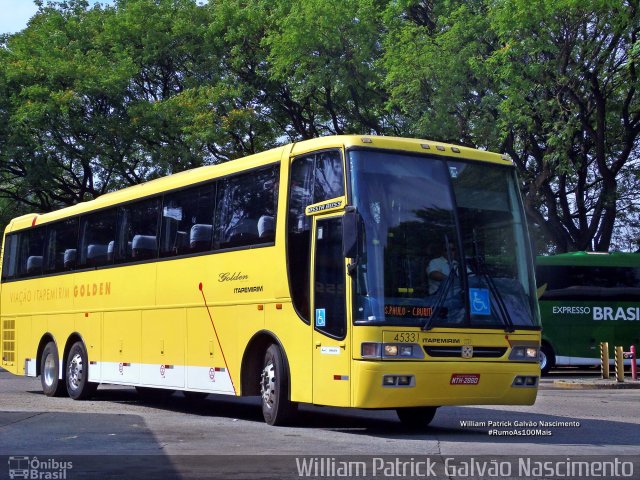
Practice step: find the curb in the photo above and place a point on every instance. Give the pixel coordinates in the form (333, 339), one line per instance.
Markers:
(596, 384)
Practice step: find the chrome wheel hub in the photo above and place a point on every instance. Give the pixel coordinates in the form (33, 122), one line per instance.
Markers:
(268, 385)
(50, 372)
(75, 371)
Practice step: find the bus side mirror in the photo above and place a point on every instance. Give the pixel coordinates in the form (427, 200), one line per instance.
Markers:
(350, 232)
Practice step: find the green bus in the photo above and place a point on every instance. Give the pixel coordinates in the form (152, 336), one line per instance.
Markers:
(586, 298)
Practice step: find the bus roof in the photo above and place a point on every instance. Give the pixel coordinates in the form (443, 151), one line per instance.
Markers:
(205, 173)
(591, 259)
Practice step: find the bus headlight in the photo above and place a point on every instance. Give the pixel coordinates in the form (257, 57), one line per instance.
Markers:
(390, 350)
(406, 350)
(522, 353)
(400, 351)
(371, 350)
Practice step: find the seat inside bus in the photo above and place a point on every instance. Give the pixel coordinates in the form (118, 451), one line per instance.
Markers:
(144, 247)
(200, 237)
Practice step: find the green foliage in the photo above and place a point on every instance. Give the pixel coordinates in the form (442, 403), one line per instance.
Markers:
(96, 98)
(552, 83)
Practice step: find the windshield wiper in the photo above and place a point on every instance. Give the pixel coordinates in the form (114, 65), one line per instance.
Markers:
(483, 272)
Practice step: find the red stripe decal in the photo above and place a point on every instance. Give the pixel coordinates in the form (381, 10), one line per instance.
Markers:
(33, 223)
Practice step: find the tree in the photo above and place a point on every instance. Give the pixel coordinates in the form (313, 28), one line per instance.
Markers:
(96, 98)
(101, 98)
(553, 83)
(573, 112)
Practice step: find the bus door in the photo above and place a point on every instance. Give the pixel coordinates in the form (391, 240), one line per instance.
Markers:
(331, 335)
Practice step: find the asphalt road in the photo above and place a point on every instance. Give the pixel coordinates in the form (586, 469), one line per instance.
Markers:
(116, 434)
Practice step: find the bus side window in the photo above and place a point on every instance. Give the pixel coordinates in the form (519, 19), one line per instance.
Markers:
(10, 260)
(137, 234)
(31, 252)
(328, 176)
(187, 218)
(97, 231)
(62, 238)
(313, 178)
(245, 209)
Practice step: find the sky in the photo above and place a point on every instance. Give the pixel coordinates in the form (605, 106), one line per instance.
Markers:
(14, 14)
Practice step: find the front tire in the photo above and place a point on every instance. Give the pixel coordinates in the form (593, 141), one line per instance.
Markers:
(49, 368)
(77, 378)
(547, 358)
(277, 409)
(416, 417)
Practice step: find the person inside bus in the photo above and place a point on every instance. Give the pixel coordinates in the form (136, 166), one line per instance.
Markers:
(439, 268)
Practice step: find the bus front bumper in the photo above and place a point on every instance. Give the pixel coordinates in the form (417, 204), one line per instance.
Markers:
(443, 383)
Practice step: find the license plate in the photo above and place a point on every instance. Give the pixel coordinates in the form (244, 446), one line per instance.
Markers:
(465, 379)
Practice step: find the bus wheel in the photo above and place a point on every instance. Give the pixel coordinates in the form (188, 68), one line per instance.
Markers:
(277, 409)
(49, 368)
(547, 358)
(416, 417)
(77, 378)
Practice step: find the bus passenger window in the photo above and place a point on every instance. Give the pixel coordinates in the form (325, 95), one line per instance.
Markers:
(187, 218)
(10, 260)
(31, 252)
(137, 231)
(245, 209)
(62, 238)
(96, 232)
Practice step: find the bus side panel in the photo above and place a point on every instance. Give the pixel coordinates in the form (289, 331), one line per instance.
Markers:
(575, 328)
(559, 329)
(89, 326)
(205, 365)
(121, 341)
(163, 338)
(23, 345)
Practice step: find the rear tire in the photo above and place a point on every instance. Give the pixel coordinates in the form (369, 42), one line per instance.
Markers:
(77, 373)
(547, 358)
(277, 409)
(52, 386)
(416, 418)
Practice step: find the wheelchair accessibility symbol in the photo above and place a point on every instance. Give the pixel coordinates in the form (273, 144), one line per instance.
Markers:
(479, 300)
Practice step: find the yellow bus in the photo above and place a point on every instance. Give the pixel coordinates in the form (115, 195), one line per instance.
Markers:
(350, 271)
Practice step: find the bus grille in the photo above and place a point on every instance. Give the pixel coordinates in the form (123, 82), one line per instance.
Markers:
(456, 352)
(8, 342)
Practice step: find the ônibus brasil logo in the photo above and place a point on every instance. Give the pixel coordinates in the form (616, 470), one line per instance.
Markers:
(34, 468)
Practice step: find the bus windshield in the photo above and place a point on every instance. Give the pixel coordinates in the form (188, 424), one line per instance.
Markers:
(443, 244)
